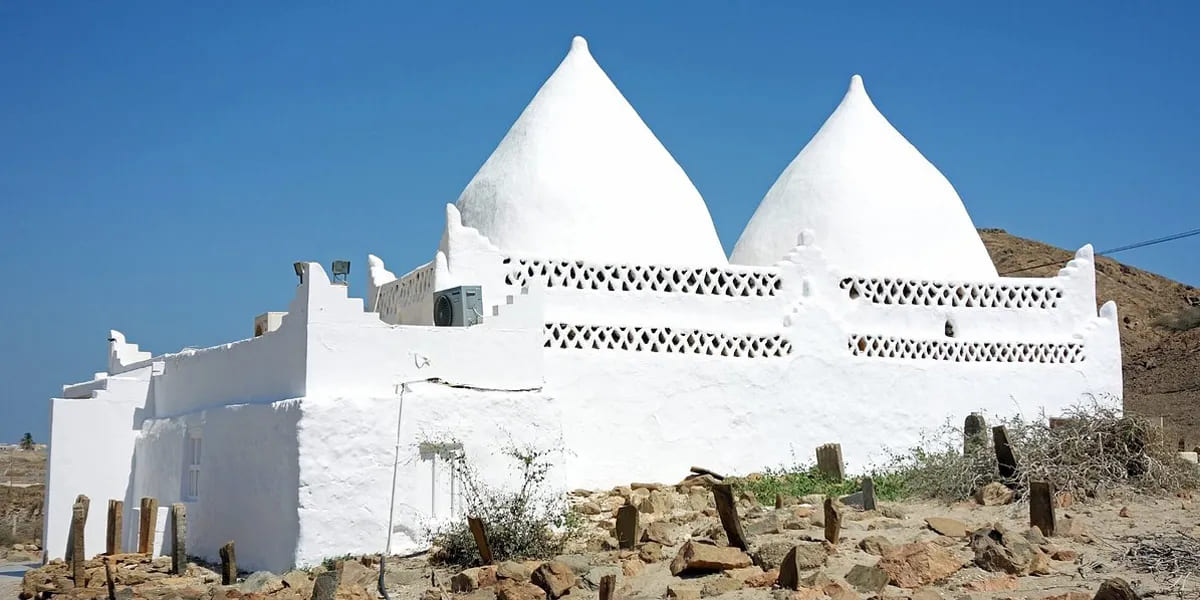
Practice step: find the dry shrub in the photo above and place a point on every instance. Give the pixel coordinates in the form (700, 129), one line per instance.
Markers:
(1184, 320)
(530, 522)
(1096, 447)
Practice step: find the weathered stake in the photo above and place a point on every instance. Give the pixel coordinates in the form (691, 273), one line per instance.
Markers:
(1004, 453)
(833, 522)
(829, 462)
(727, 509)
(627, 527)
(79, 512)
(778, 501)
(228, 564)
(178, 538)
(147, 519)
(868, 493)
(608, 584)
(112, 536)
(477, 530)
(1041, 507)
(974, 434)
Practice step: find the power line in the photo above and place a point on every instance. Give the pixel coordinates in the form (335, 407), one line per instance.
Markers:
(1167, 238)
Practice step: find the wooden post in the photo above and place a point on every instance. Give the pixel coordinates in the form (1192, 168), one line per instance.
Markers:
(1004, 453)
(833, 522)
(178, 538)
(868, 493)
(228, 564)
(608, 584)
(974, 433)
(627, 527)
(1041, 507)
(778, 501)
(112, 536)
(146, 523)
(727, 509)
(477, 530)
(829, 462)
(79, 512)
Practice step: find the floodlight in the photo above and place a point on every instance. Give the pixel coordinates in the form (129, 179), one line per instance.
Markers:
(341, 270)
(299, 267)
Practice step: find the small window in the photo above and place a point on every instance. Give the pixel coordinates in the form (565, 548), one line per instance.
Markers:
(191, 475)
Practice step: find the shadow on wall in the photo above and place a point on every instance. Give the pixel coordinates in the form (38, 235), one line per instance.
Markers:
(249, 485)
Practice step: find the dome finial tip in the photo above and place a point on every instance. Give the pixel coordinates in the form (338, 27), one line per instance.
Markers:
(579, 43)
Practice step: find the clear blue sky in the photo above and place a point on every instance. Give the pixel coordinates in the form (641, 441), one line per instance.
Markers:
(162, 164)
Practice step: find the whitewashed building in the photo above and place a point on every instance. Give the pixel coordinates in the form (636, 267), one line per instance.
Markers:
(859, 306)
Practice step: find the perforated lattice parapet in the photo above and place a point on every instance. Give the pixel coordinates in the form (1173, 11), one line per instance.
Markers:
(409, 290)
(708, 281)
(664, 339)
(935, 293)
(877, 346)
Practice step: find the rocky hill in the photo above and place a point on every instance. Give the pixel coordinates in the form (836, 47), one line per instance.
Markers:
(1161, 360)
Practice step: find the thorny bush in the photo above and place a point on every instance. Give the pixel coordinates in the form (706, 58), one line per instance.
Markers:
(533, 521)
(1094, 447)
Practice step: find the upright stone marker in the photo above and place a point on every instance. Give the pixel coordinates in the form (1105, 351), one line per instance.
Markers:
(727, 509)
(627, 527)
(833, 522)
(608, 584)
(481, 541)
(1004, 453)
(79, 512)
(112, 536)
(868, 493)
(325, 586)
(178, 538)
(974, 434)
(148, 519)
(229, 565)
(1041, 507)
(829, 462)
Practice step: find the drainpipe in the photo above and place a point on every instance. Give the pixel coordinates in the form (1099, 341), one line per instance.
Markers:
(402, 388)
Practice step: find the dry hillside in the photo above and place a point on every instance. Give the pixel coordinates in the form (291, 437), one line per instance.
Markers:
(1162, 366)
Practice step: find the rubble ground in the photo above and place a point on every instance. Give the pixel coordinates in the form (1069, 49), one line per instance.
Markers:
(911, 549)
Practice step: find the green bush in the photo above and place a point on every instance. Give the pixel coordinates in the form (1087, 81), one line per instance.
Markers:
(800, 480)
(531, 522)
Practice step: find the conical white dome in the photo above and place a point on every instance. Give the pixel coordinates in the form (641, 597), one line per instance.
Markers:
(875, 205)
(579, 176)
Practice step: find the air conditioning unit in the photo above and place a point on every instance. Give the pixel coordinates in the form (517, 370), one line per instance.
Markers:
(460, 306)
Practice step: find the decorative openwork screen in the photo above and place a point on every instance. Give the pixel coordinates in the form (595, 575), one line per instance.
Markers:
(938, 293)
(411, 289)
(708, 281)
(664, 339)
(877, 346)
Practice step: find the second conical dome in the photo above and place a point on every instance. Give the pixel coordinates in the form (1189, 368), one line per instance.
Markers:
(580, 176)
(875, 205)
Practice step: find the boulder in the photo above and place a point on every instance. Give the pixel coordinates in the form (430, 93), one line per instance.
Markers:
(918, 564)
(994, 494)
(651, 552)
(868, 580)
(262, 582)
(593, 577)
(511, 569)
(1062, 554)
(764, 580)
(993, 584)
(555, 577)
(665, 533)
(1115, 589)
(770, 555)
(947, 527)
(876, 545)
(510, 589)
(578, 563)
(588, 507)
(299, 581)
(699, 558)
(469, 580)
(1001, 552)
(632, 567)
(658, 501)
